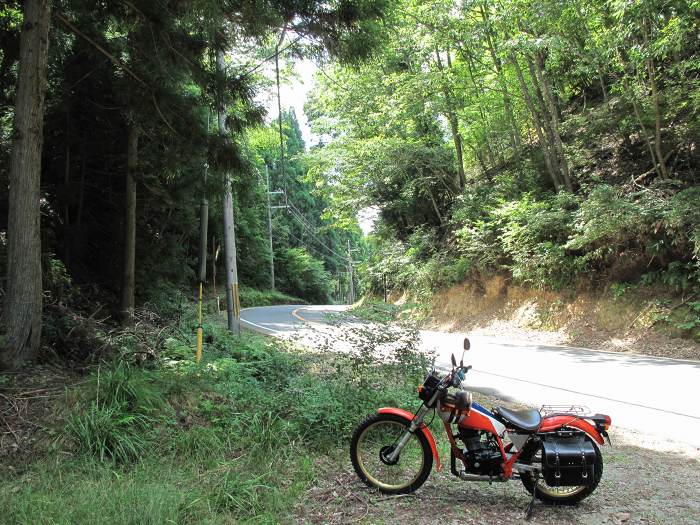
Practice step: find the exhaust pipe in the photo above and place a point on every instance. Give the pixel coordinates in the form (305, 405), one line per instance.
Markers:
(476, 477)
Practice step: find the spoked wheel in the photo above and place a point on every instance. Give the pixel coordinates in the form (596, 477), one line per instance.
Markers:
(373, 441)
(558, 495)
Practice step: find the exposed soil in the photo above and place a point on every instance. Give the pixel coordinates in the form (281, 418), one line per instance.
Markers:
(644, 482)
(628, 323)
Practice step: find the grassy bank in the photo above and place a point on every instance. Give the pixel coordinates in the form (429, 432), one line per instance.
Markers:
(233, 439)
(254, 297)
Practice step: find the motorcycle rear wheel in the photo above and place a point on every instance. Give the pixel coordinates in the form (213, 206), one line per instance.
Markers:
(373, 439)
(557, 495)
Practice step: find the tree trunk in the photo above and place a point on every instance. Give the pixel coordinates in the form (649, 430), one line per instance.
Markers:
(498, 65)
(451, 117)
(233, 305)
(657, 119)
(435, 206)
(640, 121)
(129, 281)
(66, 200)
(537, 122)
(23, 302)
(491, 156)
(553, 111)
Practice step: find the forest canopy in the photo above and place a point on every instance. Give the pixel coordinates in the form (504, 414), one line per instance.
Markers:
(555, 142)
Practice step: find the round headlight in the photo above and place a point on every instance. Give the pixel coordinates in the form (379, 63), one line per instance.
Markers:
(463, 400)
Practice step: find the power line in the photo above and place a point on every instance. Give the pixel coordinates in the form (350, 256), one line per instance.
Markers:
(310, 232)
(318, 252)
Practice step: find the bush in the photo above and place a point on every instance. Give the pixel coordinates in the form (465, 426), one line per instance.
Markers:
(551, 241)
(252, 297)
(301, 275)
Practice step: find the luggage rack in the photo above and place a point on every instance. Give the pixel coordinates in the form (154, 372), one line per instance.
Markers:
(564, 410)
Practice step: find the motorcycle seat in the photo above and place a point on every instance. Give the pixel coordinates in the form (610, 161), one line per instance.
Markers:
(525, 420)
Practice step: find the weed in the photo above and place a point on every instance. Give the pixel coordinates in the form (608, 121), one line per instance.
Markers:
(109, 433)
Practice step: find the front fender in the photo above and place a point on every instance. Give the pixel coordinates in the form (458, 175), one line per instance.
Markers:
(408, 416)
(554, 422)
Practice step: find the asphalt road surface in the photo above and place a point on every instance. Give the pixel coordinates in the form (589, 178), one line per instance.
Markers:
(654, 396)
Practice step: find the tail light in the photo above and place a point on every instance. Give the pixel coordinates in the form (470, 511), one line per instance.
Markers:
(607, 423)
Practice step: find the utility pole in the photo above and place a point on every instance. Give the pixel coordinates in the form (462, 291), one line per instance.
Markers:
(233, 305)
(269, 229)
(351, 285)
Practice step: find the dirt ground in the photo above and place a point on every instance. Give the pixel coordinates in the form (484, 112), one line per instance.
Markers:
(595, 320)
(644, 482)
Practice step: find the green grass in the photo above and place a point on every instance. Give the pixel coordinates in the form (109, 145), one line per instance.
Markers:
(381, 312)
(253, 297)
(231, 440)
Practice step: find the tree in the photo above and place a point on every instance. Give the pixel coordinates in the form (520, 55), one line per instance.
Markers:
(23, 303)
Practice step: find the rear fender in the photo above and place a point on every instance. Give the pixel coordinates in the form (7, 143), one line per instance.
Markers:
(408, 416)
(552, 423)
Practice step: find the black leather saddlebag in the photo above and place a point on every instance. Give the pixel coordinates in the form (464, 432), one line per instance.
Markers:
(568, 461)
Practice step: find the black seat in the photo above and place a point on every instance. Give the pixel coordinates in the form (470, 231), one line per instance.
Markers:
(526, 420)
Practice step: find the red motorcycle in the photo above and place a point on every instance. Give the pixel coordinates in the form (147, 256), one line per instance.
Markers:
(554, 451)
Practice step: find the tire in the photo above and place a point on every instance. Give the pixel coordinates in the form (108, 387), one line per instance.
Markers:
(551, 495)
(385, 429)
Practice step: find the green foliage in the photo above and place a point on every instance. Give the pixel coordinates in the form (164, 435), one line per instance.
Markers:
(529, 95)
(301, 275)
(235, 436)
(115, 420)
(109, 433)
(252, 297)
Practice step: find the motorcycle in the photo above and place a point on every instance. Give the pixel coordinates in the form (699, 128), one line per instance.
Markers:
(554, 451)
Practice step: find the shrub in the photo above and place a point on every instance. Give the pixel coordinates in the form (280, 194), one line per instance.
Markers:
(301, 275)
(252, 297)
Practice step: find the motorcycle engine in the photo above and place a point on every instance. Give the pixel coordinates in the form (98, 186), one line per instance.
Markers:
(481, 452)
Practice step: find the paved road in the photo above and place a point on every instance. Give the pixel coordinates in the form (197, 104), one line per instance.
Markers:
(655, 396)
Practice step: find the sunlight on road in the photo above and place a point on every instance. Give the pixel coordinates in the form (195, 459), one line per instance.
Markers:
(643, 395)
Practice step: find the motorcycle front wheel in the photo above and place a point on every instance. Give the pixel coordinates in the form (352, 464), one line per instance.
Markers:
(374, 439)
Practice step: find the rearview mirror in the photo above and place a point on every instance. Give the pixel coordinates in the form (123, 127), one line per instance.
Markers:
(467, 344)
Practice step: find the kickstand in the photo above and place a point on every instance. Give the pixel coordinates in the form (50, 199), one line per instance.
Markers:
(531, 505)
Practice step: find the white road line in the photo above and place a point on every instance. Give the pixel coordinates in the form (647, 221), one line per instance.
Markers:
(258, 325)
(261, 326)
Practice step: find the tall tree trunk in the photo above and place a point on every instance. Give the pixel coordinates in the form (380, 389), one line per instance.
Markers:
(651, 72)
(537, 122)
(233, 305)
(67, 201)
(491, 156)
(451, 116)
(624, 59)
(128, 279)
(498, 65)
(552, 109)
(657, 119)
(23, 302)
(434, 203)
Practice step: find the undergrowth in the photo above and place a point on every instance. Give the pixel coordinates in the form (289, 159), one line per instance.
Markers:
(233, 439)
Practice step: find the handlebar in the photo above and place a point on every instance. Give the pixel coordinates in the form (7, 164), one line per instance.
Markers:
(459, 374)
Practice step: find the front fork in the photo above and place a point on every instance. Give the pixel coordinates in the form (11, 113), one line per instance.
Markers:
(415, 423)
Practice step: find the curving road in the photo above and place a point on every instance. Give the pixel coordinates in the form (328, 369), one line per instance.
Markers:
(654, 396)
